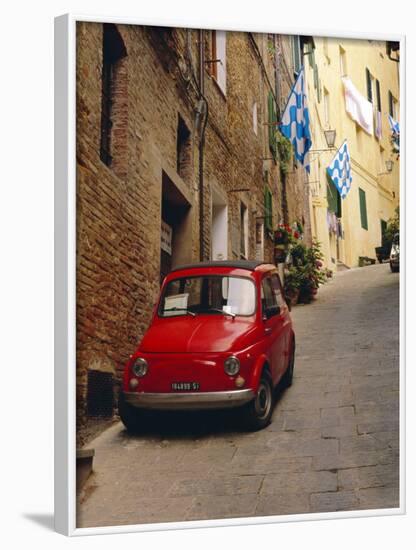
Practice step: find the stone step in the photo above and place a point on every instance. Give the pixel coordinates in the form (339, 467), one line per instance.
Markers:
(341, 266)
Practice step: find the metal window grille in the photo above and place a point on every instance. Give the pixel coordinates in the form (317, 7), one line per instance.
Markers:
(100, 394)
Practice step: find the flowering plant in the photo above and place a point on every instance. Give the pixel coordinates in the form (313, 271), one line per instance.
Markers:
(307, 273)
(285, 235)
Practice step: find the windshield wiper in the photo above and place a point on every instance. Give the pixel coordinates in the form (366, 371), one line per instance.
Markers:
(222, 311)
(181, 309)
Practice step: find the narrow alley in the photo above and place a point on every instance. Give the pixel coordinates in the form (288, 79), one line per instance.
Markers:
(333, 443)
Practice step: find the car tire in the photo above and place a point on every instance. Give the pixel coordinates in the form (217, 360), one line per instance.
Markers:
(287, 378)
(259, 411)
(129, 415)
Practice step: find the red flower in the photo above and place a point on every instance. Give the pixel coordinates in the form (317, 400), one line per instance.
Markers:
(296, 235)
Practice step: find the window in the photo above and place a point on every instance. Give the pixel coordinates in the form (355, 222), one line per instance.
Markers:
(369, 81)
(255, 118)
(378, 96)
(259, 241)
(343, 62)
(326, 107)
(218, 61)
(377, 113)
(268, 297)
(113, 146)
(268, 209)
(363, 209)
(392, 106)
(272, 124)
(297, 54)
(214, 295)
(333, 197)
(269, 302)
(277, 289)
(183, 150)
(243, 231)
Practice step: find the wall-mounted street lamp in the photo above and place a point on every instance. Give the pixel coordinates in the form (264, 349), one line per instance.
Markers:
(389, 168)
(330, 136)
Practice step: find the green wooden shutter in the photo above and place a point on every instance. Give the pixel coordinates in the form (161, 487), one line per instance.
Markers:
(316, 82)
(296, 54)
(391, 103)
(378, 96)
(363, 209)
(272, 124)
(268, 209)
(369, 88)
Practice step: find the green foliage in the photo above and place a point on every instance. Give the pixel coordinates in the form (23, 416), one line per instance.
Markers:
(393, 227)
(284, 148)
(306, 273)
(293, 280)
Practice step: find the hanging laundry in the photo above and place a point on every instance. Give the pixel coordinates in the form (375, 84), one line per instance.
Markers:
(358, 107)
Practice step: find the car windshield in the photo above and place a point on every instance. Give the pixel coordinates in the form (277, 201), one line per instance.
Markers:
(208, 294)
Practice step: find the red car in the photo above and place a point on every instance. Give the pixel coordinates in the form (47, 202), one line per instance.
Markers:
(221, 336)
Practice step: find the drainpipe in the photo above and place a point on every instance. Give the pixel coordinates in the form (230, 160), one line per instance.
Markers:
(202, 143)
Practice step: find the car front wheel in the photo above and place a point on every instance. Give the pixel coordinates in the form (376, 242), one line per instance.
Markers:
(128, 414)
(259, 411)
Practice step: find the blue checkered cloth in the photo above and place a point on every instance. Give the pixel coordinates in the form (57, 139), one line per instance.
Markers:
(394, 125)
(295, 123)
(340, 170)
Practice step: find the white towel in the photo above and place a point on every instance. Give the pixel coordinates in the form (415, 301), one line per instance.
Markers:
(358, 107)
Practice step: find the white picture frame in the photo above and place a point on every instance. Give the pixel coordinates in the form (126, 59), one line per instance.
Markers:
(65, 289)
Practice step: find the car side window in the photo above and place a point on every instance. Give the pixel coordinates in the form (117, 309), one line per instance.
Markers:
(277, 290)
(268, 298)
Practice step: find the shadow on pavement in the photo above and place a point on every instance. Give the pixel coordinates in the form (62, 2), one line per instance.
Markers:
(192, 424)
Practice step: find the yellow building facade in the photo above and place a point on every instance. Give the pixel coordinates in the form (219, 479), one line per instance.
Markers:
(351, 228)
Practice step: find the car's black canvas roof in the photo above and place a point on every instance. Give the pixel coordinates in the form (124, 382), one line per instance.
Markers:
(240, 264)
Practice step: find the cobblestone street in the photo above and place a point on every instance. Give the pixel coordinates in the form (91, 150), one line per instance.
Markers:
(333, 443)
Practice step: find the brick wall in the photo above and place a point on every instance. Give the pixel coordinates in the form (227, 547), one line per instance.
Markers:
(120, 207)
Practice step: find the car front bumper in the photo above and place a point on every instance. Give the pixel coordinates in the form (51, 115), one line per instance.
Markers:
(189, 400)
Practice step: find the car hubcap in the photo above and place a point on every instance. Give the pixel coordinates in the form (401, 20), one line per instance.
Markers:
(263, 400)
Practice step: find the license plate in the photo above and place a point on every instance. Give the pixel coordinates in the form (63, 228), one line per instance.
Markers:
(185, 386)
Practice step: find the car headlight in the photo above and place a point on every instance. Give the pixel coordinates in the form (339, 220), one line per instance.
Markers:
(140, 367)
(232, 365)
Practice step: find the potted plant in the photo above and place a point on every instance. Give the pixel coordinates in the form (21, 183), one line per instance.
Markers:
(293, 282)
(311, 268)
(283, 234)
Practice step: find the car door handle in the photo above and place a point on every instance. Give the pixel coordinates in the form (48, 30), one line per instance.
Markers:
(268, 330)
